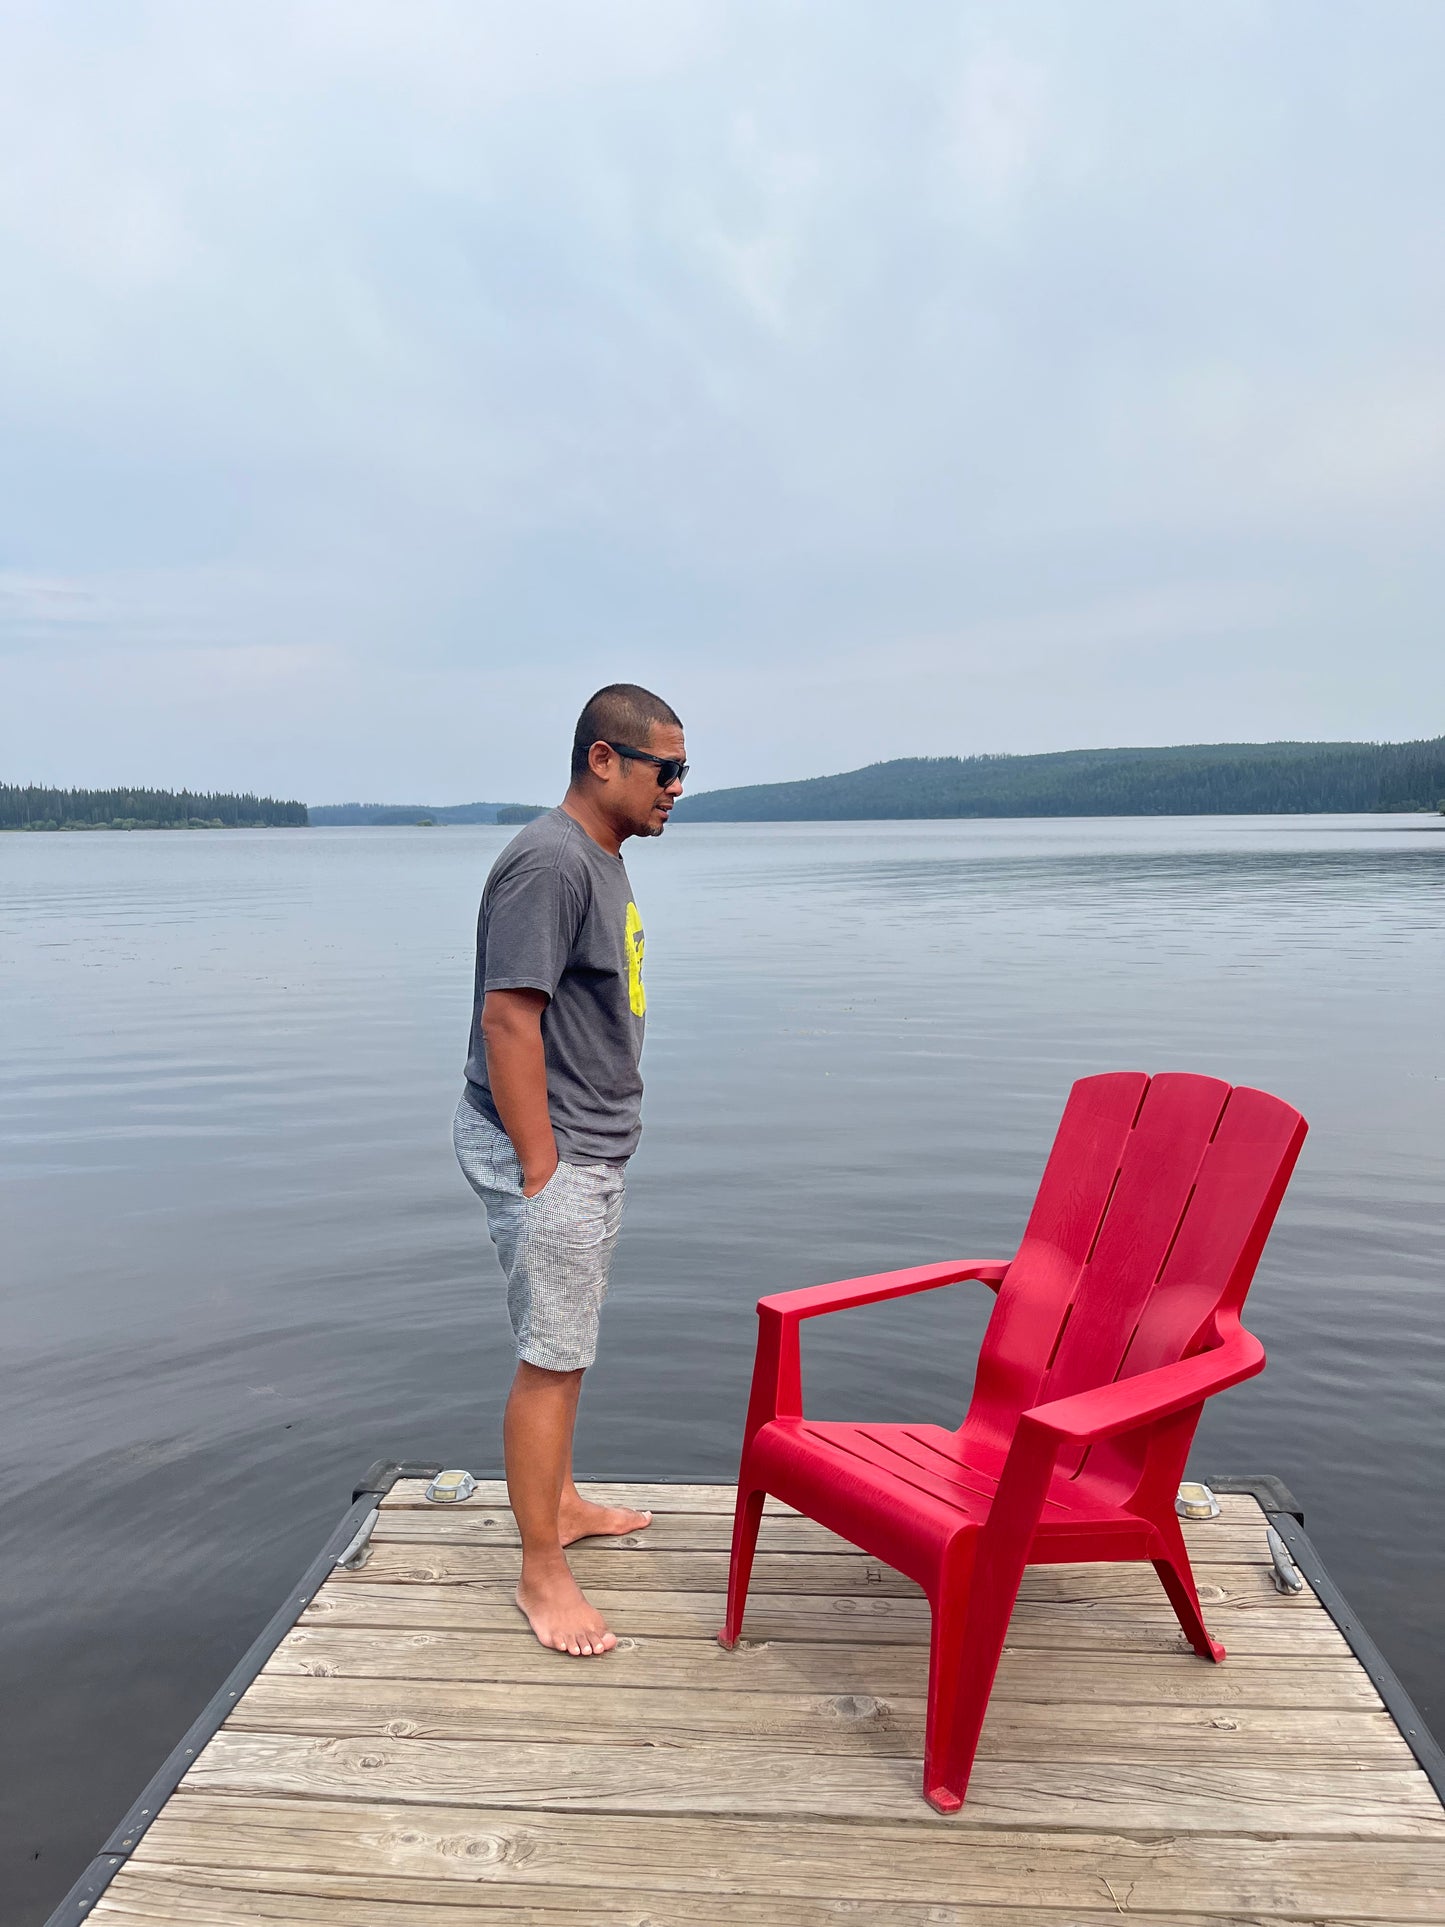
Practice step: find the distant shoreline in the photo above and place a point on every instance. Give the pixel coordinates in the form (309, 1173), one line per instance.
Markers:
(1184, 780)
(1200, 780)
(1427, 821)
(378, 816)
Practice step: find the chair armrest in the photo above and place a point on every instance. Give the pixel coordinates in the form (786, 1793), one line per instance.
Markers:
(778, 1371)
(812, 1300)
(1085, 1418)
(1124, 1406)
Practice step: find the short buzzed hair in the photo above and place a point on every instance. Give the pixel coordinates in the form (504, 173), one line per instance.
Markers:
(621, 713)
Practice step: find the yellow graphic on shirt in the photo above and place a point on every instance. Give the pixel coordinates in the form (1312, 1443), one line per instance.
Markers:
(636, 943)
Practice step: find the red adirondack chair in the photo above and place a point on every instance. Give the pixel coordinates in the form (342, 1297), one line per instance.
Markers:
(1116, 1319)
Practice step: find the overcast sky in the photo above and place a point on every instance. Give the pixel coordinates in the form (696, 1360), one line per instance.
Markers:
(376, 379)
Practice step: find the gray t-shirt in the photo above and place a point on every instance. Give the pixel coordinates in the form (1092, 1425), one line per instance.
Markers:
(557, 915)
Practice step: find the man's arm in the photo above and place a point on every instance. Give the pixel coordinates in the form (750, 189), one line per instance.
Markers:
(517, 1073)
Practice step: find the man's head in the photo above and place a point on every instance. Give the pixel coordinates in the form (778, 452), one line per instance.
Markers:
(620, 729)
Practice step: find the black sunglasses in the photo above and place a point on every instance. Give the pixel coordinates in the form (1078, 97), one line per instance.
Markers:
(669, 768)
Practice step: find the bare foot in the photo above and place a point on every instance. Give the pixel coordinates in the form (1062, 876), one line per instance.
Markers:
(560, 1614)
(579, 1518)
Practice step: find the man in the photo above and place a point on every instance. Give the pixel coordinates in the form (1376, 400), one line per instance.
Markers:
(552, 1112)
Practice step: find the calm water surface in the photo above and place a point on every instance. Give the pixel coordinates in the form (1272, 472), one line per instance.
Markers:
(240, 1263)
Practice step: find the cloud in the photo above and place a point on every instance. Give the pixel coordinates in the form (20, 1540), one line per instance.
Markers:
(402, 374)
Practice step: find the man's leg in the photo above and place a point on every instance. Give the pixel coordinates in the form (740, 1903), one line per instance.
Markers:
(557, 1276)
(537, 1442)
(580, 1518)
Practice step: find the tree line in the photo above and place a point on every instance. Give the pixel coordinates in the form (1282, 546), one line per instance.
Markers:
(30, 806)
(1207, 779)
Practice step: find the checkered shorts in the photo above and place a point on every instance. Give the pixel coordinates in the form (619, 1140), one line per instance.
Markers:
(556, 1248)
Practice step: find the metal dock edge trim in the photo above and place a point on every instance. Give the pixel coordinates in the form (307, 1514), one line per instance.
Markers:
(1285, 1514)
(366, 1498)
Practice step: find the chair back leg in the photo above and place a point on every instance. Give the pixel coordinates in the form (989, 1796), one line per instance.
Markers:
(1177, 1577)
(746, 1520)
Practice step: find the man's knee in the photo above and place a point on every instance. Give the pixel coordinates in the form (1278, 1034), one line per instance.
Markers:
(538, 1378)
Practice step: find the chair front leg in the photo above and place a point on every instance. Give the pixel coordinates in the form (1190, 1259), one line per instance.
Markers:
(945, 1770)
(746, 1520)
(967, 1644)
(777, 1393)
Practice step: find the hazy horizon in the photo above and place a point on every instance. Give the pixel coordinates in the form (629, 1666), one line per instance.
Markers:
(1082, 749)
(376, 382)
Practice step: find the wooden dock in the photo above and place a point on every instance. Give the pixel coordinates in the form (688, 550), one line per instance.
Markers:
(411, 1758)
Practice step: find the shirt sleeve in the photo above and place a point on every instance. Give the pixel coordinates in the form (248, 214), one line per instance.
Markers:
(533, 917)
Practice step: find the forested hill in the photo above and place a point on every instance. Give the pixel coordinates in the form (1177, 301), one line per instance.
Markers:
(1201, 779)
(26, 806)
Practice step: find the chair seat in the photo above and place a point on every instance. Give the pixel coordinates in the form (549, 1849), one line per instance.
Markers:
(902, 1491)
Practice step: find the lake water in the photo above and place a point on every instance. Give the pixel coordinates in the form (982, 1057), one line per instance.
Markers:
(240, 1262)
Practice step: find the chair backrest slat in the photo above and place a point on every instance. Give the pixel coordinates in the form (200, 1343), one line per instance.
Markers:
(1034, 1302)
(1151, 1199)
(1236, 1195)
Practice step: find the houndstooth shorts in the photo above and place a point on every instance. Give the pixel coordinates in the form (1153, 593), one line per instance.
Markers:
(556, 1248)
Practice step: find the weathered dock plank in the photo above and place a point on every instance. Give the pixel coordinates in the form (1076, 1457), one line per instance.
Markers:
(410, 1754)
(622, 1562)
(567, 1855)
(372, 1635)
(1225, 1540)
(155, 1895)
(833, 1722)
(648, 1776)
(656, 1498)
(410, 1494)
(1083, 1626)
